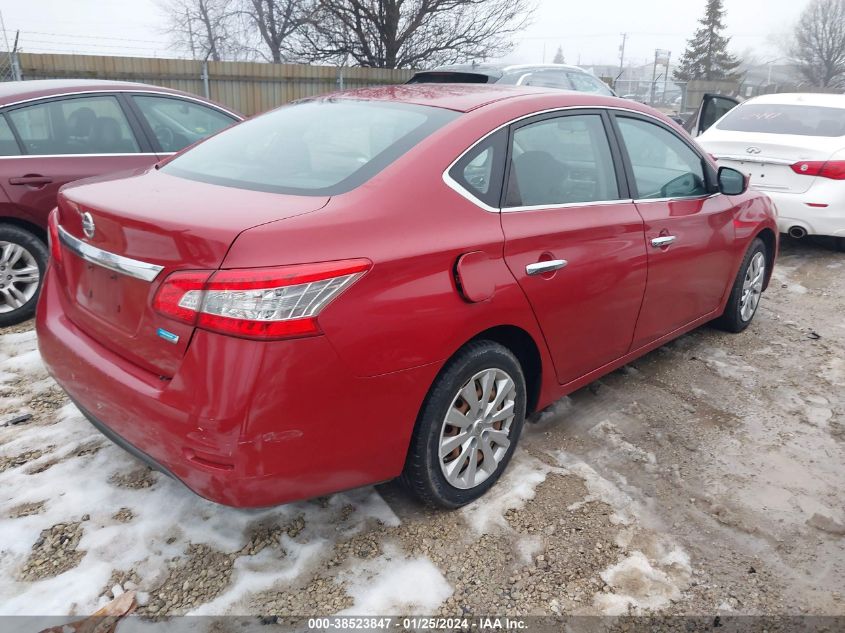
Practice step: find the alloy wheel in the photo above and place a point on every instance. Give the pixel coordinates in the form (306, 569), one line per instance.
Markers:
(19, 276)
(475, 435)
(752, 286)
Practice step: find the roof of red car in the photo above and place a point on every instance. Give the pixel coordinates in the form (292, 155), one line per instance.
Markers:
(452, 96)
(467, 97)
(12, 91)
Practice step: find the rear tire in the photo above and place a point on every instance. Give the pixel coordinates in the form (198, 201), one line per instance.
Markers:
(472, 417)
(747, 290)
(839, 244)
(23, 261)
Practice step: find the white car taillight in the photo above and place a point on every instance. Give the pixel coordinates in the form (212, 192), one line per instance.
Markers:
(258, 302)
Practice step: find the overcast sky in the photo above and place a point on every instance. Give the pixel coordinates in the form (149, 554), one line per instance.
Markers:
(589, 32)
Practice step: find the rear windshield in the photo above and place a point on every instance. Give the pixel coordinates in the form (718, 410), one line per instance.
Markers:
(557, 78)
(801, 120)
(319, 148)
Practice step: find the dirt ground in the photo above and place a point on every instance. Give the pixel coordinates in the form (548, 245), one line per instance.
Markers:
(706, 477)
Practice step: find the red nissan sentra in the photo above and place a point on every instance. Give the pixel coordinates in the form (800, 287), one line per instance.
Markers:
(386, 282)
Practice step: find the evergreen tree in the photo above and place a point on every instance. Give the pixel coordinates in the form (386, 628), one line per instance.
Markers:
(707, 54)
(559, 58)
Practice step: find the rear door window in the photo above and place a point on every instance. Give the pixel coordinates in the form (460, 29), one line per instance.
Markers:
(561, 160)
(800, 120)
(78, 125)
(177, 123)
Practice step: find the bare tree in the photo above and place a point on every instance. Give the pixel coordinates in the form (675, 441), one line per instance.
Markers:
(819, 47)
(205, 28)
(411, 33)
(276, 22)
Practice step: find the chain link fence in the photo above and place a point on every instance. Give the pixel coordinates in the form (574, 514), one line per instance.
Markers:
(669, 96)
(10, 68)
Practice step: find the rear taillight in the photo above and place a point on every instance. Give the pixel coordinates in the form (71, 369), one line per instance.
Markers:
(257, 302)
(833, 169)
(53, 236)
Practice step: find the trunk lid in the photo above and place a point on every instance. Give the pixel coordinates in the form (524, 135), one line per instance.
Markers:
(157, 219)
(768, 158)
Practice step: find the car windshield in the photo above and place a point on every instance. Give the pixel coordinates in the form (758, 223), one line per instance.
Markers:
(801, 120)
(323, 147)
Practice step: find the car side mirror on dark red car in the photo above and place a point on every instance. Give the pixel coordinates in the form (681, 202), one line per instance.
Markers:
(732, 182)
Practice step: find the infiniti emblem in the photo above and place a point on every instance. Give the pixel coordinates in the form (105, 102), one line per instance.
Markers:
(88, 226)
(753, 150)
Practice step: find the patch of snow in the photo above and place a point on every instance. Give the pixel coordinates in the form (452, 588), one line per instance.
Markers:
(639, 585)
(608, 432)
(728, 366)
(517, 485)
(393, 584)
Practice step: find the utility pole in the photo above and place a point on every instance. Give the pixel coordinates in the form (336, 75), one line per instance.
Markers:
(666, 74)
(622, 54)
(654, 77)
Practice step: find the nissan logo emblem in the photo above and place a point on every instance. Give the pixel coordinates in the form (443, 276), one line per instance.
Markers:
(753, 150)
(88, 226)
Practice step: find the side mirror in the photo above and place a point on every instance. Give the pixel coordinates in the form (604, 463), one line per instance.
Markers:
(732, 182)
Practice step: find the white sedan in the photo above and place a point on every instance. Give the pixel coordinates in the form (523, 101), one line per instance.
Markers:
(793, 148)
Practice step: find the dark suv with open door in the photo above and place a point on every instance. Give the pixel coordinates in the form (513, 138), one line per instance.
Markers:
(56, 131)
(713, 107)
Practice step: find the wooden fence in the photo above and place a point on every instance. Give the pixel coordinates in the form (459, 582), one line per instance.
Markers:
(247, 87)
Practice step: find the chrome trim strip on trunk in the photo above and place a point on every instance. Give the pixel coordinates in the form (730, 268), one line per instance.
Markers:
(117, 263)
(755, 159)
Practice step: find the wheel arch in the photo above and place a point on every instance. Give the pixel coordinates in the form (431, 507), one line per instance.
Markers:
(525, 348)
(770, 240)
(33, 228)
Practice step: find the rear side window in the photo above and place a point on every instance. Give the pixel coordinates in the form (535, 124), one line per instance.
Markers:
(582, 82)
(178, 123)
(664, 166)
(800, 120)
(8, 144)
(542, 79)
(562, 160)
(480, 170)
(323, 147)
(81, 125)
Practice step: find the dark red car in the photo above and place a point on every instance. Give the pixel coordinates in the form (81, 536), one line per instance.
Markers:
(385, 282)
(55, 132)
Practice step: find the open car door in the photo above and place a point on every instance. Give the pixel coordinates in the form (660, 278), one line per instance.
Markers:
(713, 107)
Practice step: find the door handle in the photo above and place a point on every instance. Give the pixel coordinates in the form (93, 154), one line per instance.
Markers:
(33, 180)
(663, 241)
(541, 268)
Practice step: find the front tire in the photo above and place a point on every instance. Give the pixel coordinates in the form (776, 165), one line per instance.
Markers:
(468, 427)
(747, 290)
(23, 261)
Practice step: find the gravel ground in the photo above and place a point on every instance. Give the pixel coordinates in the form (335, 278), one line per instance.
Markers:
(703, 478)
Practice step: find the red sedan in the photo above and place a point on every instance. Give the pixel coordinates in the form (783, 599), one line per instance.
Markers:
(53, 132)
(386, 282)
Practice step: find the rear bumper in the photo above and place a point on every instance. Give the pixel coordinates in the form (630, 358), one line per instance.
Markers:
(242, 423)
(794, 209)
